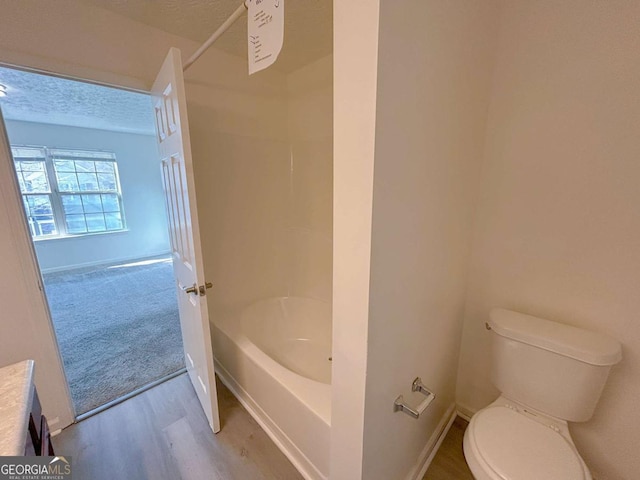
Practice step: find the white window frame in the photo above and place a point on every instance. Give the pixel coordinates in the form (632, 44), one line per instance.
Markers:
(55, 194)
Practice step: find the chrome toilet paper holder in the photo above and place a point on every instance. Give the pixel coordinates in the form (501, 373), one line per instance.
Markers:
(417, 386)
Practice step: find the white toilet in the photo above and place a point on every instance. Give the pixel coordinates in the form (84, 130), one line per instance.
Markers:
(548, 374)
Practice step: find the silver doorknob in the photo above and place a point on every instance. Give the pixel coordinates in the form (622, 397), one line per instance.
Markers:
(191, 289)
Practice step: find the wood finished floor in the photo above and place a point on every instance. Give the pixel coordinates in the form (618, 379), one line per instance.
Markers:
(163, 434)
(449, 462)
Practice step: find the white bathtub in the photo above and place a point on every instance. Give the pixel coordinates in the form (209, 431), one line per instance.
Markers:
(275, 357)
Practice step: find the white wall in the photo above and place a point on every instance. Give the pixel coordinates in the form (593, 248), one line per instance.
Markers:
(310, 222)
(142, 196)
(411, 93)
(355, 60)
(434, 76)
(557, 231)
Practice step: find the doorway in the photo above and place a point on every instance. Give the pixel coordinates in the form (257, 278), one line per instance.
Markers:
(86, 161)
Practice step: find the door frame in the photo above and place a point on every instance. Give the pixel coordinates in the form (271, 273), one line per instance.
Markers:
(28, 254)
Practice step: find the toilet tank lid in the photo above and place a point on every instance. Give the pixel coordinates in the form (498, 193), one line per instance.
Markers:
(573, 342)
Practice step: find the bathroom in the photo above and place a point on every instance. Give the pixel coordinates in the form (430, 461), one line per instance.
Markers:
(484, 155)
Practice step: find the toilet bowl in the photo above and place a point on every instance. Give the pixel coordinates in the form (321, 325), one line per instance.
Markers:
(507, 441)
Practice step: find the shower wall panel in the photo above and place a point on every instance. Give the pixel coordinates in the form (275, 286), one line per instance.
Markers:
(310, 215)
(240, 148)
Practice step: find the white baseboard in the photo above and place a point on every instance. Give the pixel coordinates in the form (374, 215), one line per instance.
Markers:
(282, 441)
(432, 446)
(103, 262)
(465, 412)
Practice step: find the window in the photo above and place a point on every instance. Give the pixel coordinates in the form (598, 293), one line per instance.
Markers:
(69, 192)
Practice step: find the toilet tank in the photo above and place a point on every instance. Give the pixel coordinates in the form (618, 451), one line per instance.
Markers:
(554, 368)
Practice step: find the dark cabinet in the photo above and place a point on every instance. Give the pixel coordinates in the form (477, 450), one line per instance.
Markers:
(38, 434)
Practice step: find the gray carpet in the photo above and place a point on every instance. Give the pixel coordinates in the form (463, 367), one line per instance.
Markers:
(117, 327)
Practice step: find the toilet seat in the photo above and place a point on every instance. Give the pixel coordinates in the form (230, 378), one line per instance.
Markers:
(502, 443)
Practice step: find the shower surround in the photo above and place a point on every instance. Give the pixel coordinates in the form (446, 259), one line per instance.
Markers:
(263, 160)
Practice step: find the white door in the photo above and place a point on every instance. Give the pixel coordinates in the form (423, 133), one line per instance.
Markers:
(172, 127)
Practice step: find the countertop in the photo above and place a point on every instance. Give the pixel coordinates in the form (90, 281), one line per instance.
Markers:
(16, 395)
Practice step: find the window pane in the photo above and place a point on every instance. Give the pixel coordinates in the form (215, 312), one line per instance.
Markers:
(110, 203)
(40, 215)
(92, 203)
(65, 166)
(95, 222)
(104, 167)
(88, 182)
(35, 182)
(72, 204)
(68, 182)
(107, 182)
(114, 221)
(31, 166)
(84, 166)
(39, 204)
(45, 224)
(76, 224)
(42, 225)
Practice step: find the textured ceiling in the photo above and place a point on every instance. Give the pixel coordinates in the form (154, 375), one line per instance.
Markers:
(308, 25)
(41, 98)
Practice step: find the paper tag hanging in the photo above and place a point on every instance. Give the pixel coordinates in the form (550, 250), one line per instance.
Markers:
(265, 27)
